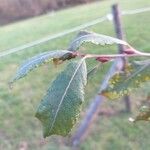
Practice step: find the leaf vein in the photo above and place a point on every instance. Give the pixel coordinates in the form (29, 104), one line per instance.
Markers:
(61, 101)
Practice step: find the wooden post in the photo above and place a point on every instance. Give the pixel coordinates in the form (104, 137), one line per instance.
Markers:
(118, 65)
(83, 128)
(94, 106)
(120, 35)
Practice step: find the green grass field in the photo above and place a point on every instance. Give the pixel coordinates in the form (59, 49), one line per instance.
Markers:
(19, 127)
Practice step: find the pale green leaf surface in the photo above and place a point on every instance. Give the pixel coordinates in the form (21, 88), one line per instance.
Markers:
(60, 108)
(94, 38)
(121, 84)
(93, 71)
(144, 62)
(36, 61)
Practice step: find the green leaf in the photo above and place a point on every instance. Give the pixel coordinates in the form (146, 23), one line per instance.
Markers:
(95, 39)
(144, 62)
(60, 108)
(93, 71)
(122, 84)
(36, 61)
(144, 114)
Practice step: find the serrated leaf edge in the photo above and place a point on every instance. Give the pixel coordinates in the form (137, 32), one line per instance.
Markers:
(61, 101)
(107, 42)
(30, 61)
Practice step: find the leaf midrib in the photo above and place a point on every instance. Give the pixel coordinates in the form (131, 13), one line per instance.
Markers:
(117, 41)
(61, 101)
(32, 61)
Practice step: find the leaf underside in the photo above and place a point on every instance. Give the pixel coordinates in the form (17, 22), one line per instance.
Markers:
(122, 84)
(93, 71)
(94, 38)
(60, 108)
(37, 61)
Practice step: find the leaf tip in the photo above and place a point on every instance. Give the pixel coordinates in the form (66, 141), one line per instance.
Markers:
(45, 130)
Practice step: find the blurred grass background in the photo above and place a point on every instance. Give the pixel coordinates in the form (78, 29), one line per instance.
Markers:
(18, 126)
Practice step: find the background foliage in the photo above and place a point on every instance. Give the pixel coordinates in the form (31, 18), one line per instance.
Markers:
(11, 10)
